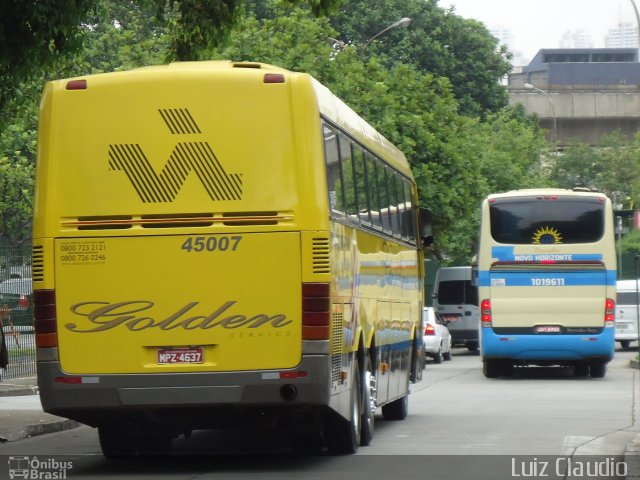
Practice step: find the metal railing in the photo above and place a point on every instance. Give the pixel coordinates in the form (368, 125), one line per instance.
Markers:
(16, 312)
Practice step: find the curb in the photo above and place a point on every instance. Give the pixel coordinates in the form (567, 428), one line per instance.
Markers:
(18, 391)
(50, 427)
(632, 459)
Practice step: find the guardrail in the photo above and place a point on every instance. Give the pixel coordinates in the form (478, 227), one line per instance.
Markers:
(16, 312)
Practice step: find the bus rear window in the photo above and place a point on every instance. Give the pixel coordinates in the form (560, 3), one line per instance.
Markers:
(457, 292)
(530, 220)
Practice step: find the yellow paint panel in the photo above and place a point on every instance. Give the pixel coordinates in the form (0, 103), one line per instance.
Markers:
(120, 300)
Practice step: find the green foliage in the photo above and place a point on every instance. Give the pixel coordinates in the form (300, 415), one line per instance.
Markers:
(16, 193)
(32, 36)
(456, 159)
(120, 36)
(631, 242)
(437, 41)
(612, 166)
(435, 95)
(511, 149)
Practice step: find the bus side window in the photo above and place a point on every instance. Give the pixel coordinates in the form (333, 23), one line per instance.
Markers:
(350, 205)
(400, 207)
(334, 176)
(393, 203)
(383, 196)
(372, 191)
(408, 223)
(361, 184)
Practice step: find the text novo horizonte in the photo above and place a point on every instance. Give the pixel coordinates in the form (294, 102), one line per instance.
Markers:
(105, 316)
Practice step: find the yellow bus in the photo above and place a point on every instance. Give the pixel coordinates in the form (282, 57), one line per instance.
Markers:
(546, 271)
(222, 244)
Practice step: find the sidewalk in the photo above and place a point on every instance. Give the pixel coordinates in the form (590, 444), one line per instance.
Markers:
(21, 415)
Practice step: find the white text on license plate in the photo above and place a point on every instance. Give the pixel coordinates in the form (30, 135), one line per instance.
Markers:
(182, 355)
(548, 329)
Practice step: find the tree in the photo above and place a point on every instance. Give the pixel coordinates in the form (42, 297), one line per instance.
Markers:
(436, 42)
(417, 111)
(456, 159)
(33, 35)
(511, 146)
(612, 166)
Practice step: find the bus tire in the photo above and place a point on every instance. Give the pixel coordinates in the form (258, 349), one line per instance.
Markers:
(115, 442)
(598, 370)
(368, 402)
(118, 441)
(581, 370)
(343, 436)
(491, 368)
(396, 410)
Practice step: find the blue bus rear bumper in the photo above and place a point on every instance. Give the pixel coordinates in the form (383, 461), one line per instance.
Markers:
(548, 347)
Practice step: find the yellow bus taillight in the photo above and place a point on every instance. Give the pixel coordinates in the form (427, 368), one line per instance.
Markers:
(45, 321)
(316, 311)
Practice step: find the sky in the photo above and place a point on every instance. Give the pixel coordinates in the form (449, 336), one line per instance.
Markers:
(537, 24)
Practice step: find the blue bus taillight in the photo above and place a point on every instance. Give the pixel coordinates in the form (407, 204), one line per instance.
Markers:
(485, 312)
(609, 313)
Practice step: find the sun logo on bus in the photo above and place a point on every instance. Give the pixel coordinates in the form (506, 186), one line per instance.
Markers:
(547, 236)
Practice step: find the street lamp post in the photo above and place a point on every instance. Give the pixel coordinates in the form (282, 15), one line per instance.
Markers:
(402, 23)
(553, 110)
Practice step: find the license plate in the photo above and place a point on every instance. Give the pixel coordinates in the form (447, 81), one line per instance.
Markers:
(172, 356)
(623, 327)
(548, 329)
(450, 318)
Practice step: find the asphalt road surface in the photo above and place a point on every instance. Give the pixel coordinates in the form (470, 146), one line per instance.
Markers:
(460, 425)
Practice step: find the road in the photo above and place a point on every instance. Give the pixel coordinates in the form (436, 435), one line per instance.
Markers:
(461, 425)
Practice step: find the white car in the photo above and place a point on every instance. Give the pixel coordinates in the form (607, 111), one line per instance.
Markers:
(627, 312)
(436, 338)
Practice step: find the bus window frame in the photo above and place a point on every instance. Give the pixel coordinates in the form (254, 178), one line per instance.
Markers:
(369, 223)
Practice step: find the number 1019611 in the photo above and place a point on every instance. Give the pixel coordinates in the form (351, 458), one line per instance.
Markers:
(547, 282)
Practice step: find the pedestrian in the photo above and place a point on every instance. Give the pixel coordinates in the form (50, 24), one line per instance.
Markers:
(4, 351)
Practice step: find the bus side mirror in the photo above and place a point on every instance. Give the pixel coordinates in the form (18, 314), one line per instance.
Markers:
(425, 226)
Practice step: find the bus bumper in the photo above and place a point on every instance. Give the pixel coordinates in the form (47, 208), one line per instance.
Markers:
(200, 399)
(548, 347)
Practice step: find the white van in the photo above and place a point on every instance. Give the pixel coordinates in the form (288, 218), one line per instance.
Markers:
(627, 312)
(457, 301)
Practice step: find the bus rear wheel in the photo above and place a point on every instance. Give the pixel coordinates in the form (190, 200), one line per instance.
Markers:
(491, 368)
(119, 441)
(368, 402)
(598, 370)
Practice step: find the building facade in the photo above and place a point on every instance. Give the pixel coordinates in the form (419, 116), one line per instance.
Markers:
(581, 93)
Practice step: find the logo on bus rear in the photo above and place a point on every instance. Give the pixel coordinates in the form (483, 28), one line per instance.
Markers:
(186, 157)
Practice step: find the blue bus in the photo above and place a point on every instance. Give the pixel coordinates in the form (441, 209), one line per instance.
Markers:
(546, 274)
